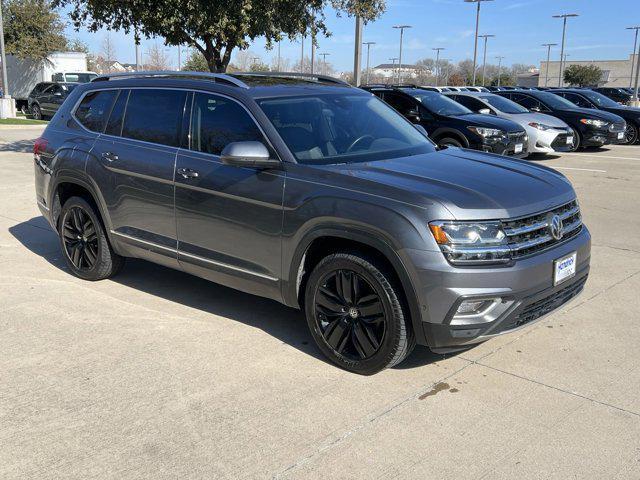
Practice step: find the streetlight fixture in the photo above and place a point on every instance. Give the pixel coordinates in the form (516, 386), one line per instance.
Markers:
(500, 58)
(633, 57)
(324, 62)
(564, 31)
(546, 70)
(368, 44)
(475, 45)
(484, 60)
(437, 49)
(401, 28)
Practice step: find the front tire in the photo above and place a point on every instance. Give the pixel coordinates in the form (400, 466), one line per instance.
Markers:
(36, 113)
(84, 243)
(449, 142)
(631, 134)
(577, 141)
(355, 314)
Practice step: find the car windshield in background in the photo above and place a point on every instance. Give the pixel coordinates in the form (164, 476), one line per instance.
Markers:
(599, 99)
(554, 101)
(503, 104)
(441, 105)
(79, 77)
(343, 128)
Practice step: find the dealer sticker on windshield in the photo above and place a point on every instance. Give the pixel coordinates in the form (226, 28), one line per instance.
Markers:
(518, 148)
(564, 268)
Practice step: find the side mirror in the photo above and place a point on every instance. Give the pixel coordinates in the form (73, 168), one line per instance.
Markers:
(249, 155)
(413, 115)
(485, 111)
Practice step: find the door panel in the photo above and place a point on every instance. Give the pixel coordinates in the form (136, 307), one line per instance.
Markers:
(229, 219)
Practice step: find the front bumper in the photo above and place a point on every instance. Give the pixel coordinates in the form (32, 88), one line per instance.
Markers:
(508, 145)
(525, 289)
(596, 137)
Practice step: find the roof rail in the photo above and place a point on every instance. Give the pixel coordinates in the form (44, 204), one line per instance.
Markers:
(309, 76)
(216, 77)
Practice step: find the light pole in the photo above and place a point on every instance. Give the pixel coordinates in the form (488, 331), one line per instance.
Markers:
(546, 70)
(475, 45)
(484, 60)
(401, 27)
(437, 49)
(368, 44)
(302, 54)
(499, 68)
(5, 110)
(633, 57)
(279, 68)
(564, 31)
(357, 52)
(179, 58)
(324, 62)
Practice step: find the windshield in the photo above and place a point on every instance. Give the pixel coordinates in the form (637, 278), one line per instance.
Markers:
(441, 105)
(343, 128)
(555, 101)
(79, 77)
(503, 104)
(599, 99)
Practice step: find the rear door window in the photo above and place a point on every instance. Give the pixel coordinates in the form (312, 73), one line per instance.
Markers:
(94, 109)
(218, 121)
(401, 103)
(471, 103)
(154, 115)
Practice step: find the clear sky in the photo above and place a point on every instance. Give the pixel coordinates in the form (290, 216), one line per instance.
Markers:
(520, 26)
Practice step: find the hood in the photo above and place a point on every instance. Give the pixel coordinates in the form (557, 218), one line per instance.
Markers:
(526, 118)
(624, 112)
(490, 121)
(593, 113)
(469, 184)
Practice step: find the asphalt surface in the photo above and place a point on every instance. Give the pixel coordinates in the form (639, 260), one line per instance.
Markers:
(157, 374)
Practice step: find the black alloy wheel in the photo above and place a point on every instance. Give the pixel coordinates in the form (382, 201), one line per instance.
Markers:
(350, 315)
(85, 245)
(630, 134)
(36, 113)
(355, 310)
(80, 239)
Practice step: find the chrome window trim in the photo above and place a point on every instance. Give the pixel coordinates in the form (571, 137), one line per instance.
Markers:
(188, 90)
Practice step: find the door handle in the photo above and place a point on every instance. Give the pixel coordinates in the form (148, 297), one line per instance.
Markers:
(109, 156)
(187, 173)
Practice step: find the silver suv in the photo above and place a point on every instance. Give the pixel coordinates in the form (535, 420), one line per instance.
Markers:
(315, 194)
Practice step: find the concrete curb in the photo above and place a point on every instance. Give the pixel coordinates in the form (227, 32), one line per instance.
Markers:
(23, 127)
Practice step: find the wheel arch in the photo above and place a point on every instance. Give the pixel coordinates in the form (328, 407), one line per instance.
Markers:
(452, 133)
(324, 241)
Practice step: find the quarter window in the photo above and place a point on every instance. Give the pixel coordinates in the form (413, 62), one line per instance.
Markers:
(154, 116)
(94, 109)
(217, 121)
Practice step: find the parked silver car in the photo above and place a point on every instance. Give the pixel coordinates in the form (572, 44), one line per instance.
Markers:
(546, 134)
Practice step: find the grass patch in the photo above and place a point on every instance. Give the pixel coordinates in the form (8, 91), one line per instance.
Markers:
(20, 121)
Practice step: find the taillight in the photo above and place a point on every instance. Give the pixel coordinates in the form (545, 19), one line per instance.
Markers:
(39, 146)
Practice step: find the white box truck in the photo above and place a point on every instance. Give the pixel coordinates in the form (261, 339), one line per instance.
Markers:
(24, 73)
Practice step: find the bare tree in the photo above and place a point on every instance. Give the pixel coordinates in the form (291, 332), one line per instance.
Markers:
(157, 59)
(108, 52)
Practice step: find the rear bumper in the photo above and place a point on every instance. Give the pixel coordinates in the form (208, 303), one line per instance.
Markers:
(524, 293)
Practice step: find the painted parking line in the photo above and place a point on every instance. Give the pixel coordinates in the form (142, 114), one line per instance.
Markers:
(581, 169)
(588, 155)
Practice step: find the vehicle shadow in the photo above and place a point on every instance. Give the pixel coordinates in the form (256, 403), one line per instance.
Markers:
(24, 146)
(284, 323)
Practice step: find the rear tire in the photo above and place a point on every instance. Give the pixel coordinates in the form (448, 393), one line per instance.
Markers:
(355, 314)
(84, 243)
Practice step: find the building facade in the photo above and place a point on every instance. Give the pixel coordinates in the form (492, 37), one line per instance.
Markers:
(615, 73)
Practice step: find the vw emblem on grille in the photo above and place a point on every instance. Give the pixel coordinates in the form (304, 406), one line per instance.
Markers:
(556, 229)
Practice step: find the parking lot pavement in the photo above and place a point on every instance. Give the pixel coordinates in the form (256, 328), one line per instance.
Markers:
(156, 374)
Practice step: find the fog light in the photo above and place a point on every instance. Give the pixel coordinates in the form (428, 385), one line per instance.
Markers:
(472, 307)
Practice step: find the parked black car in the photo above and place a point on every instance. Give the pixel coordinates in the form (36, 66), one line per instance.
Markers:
(46, 97)
(593, 128)
(450, 124)
(585, 98)
(619, 95)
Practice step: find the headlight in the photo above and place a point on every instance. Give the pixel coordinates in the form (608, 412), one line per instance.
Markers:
(486, 132)
(540, 126)
(594, 122)
(471, 242)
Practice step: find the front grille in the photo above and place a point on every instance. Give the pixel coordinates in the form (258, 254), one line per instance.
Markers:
(532, 234)
(561, 140)
(516, 137)
(545, 305)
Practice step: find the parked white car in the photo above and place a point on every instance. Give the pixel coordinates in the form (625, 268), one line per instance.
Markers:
(546, 134)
